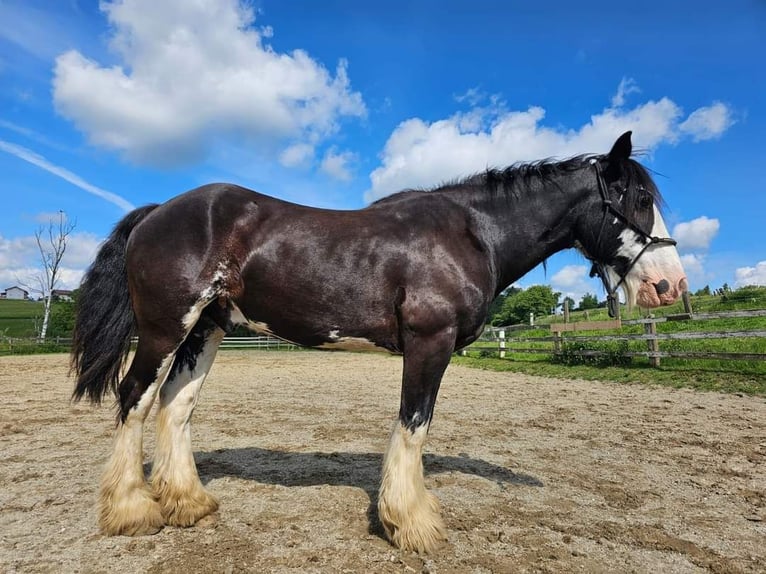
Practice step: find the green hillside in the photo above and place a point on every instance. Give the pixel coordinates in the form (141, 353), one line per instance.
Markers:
(19, 318)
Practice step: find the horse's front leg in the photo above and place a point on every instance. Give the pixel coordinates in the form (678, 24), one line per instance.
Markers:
(408, 512)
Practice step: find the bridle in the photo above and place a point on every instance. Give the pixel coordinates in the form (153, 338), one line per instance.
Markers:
(598, 268)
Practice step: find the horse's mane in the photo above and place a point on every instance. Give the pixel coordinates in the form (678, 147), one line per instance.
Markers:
(527, 177)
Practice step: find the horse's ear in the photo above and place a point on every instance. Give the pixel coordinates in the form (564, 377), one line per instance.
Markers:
(622, 148)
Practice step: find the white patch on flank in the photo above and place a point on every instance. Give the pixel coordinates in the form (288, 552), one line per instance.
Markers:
(335, 334)
(205, 297)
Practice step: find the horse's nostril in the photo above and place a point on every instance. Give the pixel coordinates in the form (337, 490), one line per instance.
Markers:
(662, 286)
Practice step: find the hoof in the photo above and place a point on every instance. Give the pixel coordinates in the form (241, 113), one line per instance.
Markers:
(136, 514)
(420, 529)
(185, 508)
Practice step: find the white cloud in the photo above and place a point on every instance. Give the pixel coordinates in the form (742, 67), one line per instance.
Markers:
(20, 260)
(191, 73)
(627, 86)
(696, 234)
(751, 275)
(694, 266)
(707, 122)
(296, 155)
(337, 164)
(38, 160)
(573, 281)
(422, 154)
(472, 95)
(570, 276)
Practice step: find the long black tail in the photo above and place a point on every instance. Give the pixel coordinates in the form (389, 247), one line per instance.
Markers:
(105, 321)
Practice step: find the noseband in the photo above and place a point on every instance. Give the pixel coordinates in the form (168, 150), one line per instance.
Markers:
(612, 299)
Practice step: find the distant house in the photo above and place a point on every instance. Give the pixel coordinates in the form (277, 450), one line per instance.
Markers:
(15, 293)
(62, 295)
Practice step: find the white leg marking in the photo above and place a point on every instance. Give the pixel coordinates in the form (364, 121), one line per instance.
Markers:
(126, 504)
(409, 513)
(175, 481)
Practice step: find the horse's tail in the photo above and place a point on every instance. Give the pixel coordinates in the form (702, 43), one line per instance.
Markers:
(104, 321)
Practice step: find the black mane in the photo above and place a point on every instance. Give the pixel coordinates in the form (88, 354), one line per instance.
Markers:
(528, 177)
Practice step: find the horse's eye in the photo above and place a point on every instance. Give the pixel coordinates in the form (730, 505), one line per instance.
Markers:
(645, 201)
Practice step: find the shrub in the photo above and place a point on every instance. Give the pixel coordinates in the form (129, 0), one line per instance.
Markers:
(593, 354)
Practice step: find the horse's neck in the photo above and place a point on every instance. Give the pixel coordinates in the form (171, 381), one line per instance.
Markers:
(524, 228)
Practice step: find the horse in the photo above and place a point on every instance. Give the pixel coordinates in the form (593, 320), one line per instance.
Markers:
(411, 274)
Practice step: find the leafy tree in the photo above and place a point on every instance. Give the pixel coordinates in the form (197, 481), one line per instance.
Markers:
(497, 305)
(62, 317)
(588, 301)
(704, 291)
(570, 302)
(538, 299)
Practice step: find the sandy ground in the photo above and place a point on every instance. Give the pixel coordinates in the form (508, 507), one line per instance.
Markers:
(534, 475)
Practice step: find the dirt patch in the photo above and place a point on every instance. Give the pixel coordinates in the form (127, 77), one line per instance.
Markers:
(534, 475)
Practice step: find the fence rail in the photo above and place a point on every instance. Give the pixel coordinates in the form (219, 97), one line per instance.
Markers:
(255, 342)
(563, 333)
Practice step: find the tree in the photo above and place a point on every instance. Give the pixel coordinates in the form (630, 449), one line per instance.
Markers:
(538, 299)
(588, 301)
(497, 304)
(51, 243)
(704, 291)
(62, 317)
(571, 303)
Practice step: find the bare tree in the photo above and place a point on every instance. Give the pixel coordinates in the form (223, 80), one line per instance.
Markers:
(52, 245)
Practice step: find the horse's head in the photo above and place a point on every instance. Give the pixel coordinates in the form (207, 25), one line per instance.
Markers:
(623, 232)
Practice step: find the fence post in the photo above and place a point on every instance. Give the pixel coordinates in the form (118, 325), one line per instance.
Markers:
(566, 310)
(652, 344)
(501, 335)
(557, 342)
(687, 302)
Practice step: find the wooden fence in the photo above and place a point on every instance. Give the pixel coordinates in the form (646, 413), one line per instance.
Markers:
(498, 341)
(256, 342)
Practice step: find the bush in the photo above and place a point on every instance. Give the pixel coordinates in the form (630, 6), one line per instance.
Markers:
(595, 355)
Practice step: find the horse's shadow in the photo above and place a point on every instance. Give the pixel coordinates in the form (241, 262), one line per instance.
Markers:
(357, 469)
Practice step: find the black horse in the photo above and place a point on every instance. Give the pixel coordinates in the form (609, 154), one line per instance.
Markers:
(413, 274)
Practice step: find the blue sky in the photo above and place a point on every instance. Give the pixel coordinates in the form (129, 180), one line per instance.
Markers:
(111, 105)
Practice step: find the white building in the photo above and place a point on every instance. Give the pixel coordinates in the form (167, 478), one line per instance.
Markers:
(15, 293)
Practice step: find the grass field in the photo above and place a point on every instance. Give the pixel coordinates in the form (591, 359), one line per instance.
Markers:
(19, 318)
(708, 374)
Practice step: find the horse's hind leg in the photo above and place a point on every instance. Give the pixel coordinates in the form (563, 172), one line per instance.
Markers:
(126, 503)
(183, 500)
(408, 512)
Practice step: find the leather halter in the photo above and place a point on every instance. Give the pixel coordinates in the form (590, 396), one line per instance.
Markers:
(598, 268)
